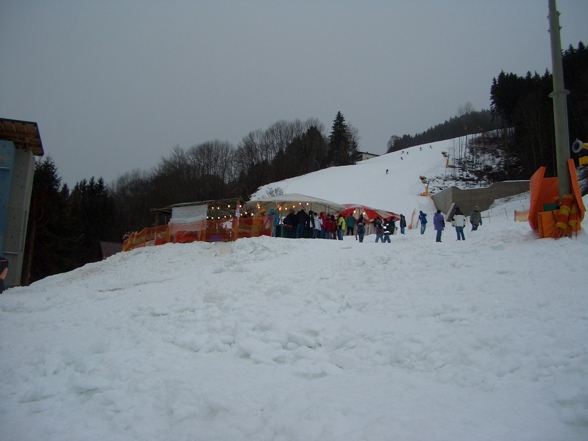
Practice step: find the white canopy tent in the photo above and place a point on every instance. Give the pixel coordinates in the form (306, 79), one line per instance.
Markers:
(283, 203)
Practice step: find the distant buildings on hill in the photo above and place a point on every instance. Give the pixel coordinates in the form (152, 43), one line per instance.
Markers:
(362, 156)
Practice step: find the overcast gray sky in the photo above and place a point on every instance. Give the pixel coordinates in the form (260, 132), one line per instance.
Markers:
(115, 85)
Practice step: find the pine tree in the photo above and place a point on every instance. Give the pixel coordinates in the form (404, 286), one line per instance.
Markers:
(50, 243)
(341, 149)
(306, 152)
(92, 208)
(575, 67)
(524, 105)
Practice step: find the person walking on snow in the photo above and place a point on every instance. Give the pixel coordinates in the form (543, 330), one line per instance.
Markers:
(438, 224)
(361, 228)
(402, 223)
(317, 226)
(459, 222)
(330, 226)
(350, 221)
(423, 220)
(379, 229)
(387, 229)
(341, 227)
(476, 218)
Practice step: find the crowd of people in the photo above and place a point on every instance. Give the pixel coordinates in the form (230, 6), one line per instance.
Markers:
(458, 221)
(314, 225)
(297, 225)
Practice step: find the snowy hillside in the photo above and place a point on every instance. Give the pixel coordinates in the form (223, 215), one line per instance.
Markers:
(367, 182)
(271, 339)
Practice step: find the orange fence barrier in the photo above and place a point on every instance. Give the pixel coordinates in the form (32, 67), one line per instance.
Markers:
(147, 237)
(212, 231)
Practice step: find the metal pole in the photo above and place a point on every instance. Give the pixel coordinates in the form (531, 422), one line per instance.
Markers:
(560, 113)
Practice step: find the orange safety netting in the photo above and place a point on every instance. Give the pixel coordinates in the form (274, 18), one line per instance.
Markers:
(210, 231)
(146, 237)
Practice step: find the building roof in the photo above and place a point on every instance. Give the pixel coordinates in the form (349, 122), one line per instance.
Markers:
(23, 134)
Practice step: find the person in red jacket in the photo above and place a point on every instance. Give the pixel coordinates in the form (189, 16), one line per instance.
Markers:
(330, 226)
(323, 218)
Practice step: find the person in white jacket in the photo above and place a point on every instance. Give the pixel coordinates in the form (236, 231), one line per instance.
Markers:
(459, 222)
(317, 225)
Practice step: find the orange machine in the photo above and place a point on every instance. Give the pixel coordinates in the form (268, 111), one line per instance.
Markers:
(550, 216)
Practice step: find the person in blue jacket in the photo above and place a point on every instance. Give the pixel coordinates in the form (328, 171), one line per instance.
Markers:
(423, 220)
(276, 221)
(438, 224)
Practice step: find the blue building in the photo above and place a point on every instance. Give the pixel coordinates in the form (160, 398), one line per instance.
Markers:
(20, 142)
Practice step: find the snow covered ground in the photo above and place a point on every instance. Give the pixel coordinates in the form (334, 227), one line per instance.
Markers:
(302, 340)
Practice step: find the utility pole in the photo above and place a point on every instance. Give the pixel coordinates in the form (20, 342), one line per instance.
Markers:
(560, 111)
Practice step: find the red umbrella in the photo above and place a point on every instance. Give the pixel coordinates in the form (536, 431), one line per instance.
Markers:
(368, 212)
